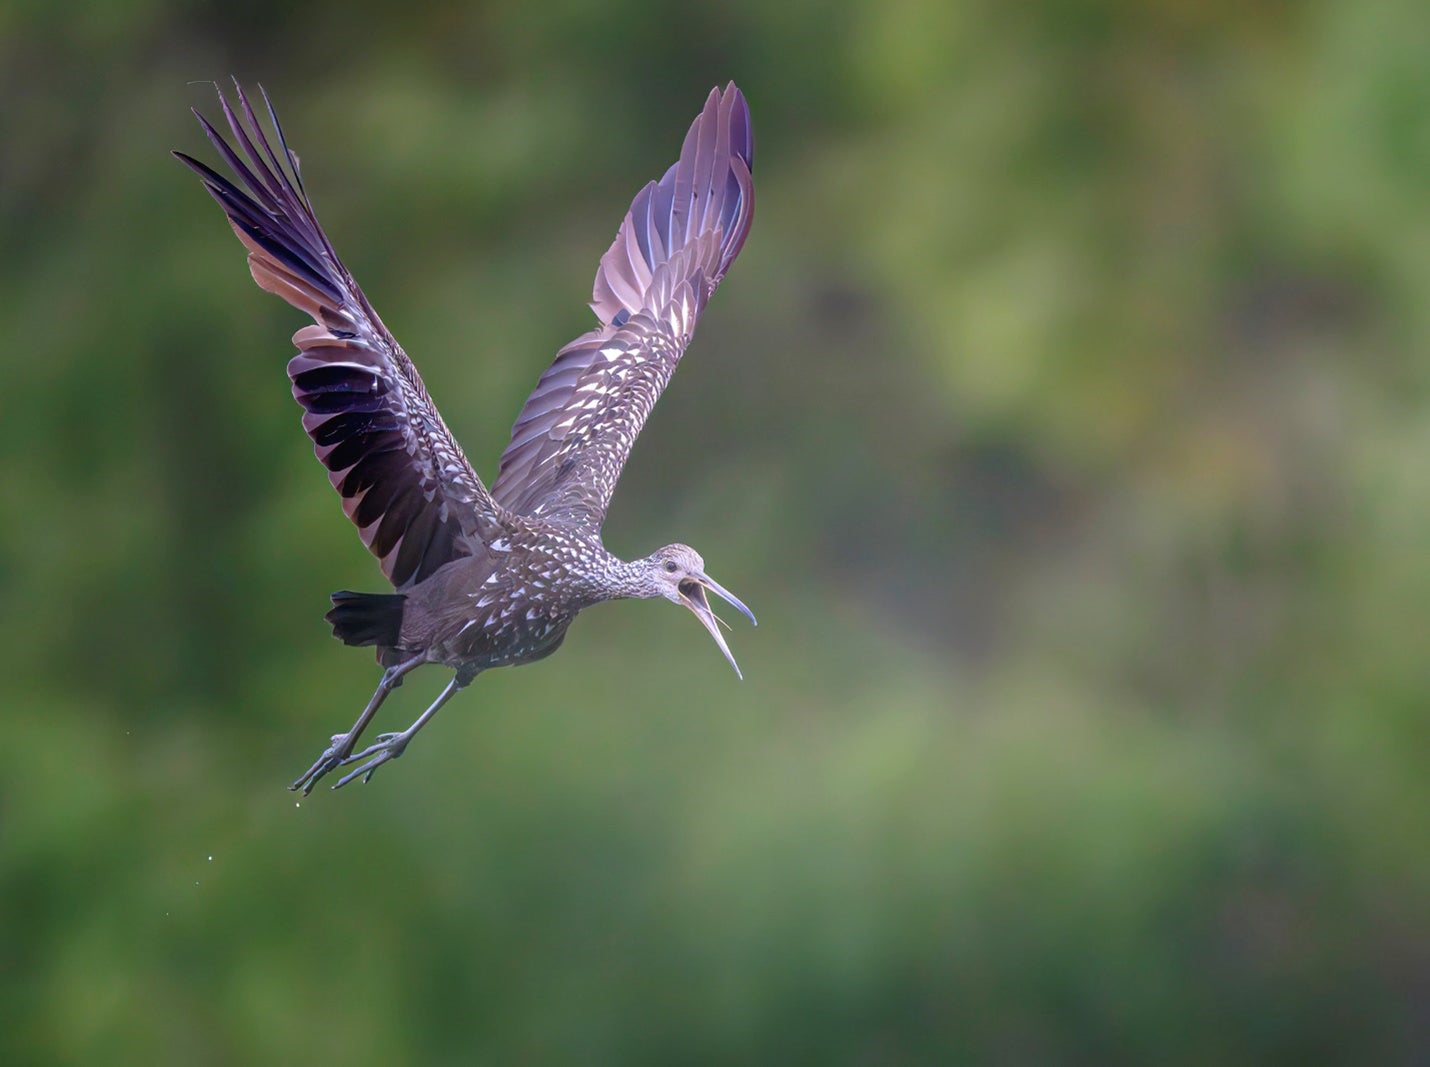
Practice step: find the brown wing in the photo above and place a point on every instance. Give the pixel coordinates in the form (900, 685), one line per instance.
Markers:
(404, 481)
(677, 241)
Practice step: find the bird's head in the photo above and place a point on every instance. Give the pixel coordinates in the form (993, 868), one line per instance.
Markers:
(678, 573)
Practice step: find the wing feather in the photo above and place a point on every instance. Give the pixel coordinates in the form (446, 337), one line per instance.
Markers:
(403, 479)
(573, 436)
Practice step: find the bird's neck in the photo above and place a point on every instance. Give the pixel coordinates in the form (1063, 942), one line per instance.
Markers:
(612, 578)
(590, 573)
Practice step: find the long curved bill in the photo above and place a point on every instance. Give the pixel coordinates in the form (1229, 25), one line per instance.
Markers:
(692, 595)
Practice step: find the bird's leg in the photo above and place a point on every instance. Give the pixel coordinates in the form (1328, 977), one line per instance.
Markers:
(342, 744)
(390, 746)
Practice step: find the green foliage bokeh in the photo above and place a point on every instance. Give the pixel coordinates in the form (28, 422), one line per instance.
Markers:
(1065, 421)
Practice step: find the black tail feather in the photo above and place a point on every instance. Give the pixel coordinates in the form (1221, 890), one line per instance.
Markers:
(367, 618)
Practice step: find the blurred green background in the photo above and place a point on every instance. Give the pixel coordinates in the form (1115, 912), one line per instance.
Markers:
(1065, 421)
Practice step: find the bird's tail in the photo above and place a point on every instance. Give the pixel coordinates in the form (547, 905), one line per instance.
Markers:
(367, 618)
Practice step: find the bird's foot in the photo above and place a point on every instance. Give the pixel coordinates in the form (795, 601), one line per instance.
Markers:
(336, 755)
(388, 747)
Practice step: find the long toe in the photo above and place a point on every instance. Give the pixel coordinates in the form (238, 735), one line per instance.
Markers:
(388, 747)
(393, 743)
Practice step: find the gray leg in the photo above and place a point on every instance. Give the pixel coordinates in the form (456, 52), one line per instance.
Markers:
(390, 746)
(342, 744)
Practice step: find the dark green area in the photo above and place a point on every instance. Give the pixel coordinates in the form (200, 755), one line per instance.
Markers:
(1066, 421)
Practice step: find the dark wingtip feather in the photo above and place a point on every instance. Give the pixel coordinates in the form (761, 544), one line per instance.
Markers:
(741, 132)
(268, 200)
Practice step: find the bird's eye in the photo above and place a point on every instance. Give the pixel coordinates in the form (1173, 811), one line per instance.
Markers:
(671, 567)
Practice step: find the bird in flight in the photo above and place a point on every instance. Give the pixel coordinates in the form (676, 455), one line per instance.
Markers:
(489, 577)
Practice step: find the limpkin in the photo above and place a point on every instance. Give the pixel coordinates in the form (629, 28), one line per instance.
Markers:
(489, 577)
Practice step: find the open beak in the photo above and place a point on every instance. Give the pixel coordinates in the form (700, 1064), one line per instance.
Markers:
(692, 595)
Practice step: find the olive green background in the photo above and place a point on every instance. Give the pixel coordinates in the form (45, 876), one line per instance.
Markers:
(1065, 421)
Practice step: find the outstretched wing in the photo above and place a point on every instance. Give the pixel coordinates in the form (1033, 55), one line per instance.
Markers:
(404, 481)
(677, 241)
